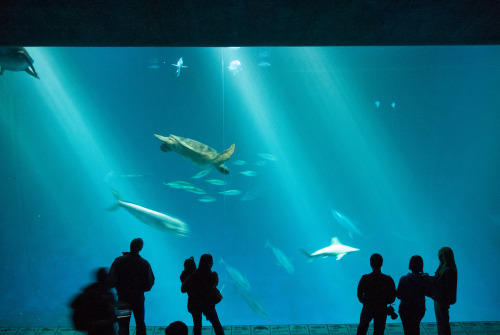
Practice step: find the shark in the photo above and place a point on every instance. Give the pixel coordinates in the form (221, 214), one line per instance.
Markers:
(179, 66)
(335, 249)
(16, 59)
(160, 221)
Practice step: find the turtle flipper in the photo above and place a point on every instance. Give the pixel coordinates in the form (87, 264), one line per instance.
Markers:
(31, 71)
(224, 156)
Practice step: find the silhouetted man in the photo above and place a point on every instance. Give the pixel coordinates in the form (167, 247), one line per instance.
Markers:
(132, 276)
(375, 292)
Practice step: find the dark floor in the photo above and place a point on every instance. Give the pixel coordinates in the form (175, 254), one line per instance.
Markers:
(427, 328)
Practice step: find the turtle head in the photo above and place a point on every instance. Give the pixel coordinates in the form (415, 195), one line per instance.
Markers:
(165, 147)
(222, 168)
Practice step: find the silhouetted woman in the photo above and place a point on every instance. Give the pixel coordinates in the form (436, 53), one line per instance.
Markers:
(201, 289)
(412, 290)
(444, 289)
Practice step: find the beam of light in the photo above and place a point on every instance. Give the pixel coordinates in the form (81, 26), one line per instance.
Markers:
(378, 168)
(267, 113)
(68, 104)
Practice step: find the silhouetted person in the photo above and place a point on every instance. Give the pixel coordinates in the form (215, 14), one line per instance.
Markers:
(189, 269)
(132, 276)
(94, 309)
(412, 290)
(201, 289)
(375, 291)
(176, 328)
(444, 289)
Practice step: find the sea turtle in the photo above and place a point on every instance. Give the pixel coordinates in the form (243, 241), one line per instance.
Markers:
(198, 153)
(16, 59)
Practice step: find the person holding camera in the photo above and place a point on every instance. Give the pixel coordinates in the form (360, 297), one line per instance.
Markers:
(375, 291)
(412, 289)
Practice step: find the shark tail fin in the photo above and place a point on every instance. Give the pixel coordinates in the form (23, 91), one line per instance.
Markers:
(309, 256)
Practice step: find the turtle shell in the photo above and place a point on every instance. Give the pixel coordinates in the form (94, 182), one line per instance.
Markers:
(195, 146)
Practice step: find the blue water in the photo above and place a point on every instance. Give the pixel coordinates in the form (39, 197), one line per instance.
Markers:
(403, 142)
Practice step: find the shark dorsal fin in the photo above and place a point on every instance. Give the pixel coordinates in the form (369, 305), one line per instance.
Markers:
(335, 240)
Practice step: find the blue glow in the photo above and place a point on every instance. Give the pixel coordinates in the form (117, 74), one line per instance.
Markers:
(392, 150)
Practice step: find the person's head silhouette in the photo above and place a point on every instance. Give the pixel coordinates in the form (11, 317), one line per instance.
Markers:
(176, 328)
(206, 262)
(376, 262)
(136, 245)
(446, 259)
(416, 264)
(101, 275)
(189, 265)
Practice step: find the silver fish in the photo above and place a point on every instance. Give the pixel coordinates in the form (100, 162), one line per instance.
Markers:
(201, 174)
(216, 182)
(230, 192)
(249, 173)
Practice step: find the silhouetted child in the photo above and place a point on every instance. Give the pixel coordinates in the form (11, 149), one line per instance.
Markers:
(375, 291)
(412, 290)
(189, 269)
(444, 289)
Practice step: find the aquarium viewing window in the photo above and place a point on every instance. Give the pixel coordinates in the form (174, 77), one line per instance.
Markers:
(393, 150)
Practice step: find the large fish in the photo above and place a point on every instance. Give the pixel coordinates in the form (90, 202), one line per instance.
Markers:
(239, 280)
(154, 219)
(335, 249)
(346, 223)
(254, 304)
(282, 259)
